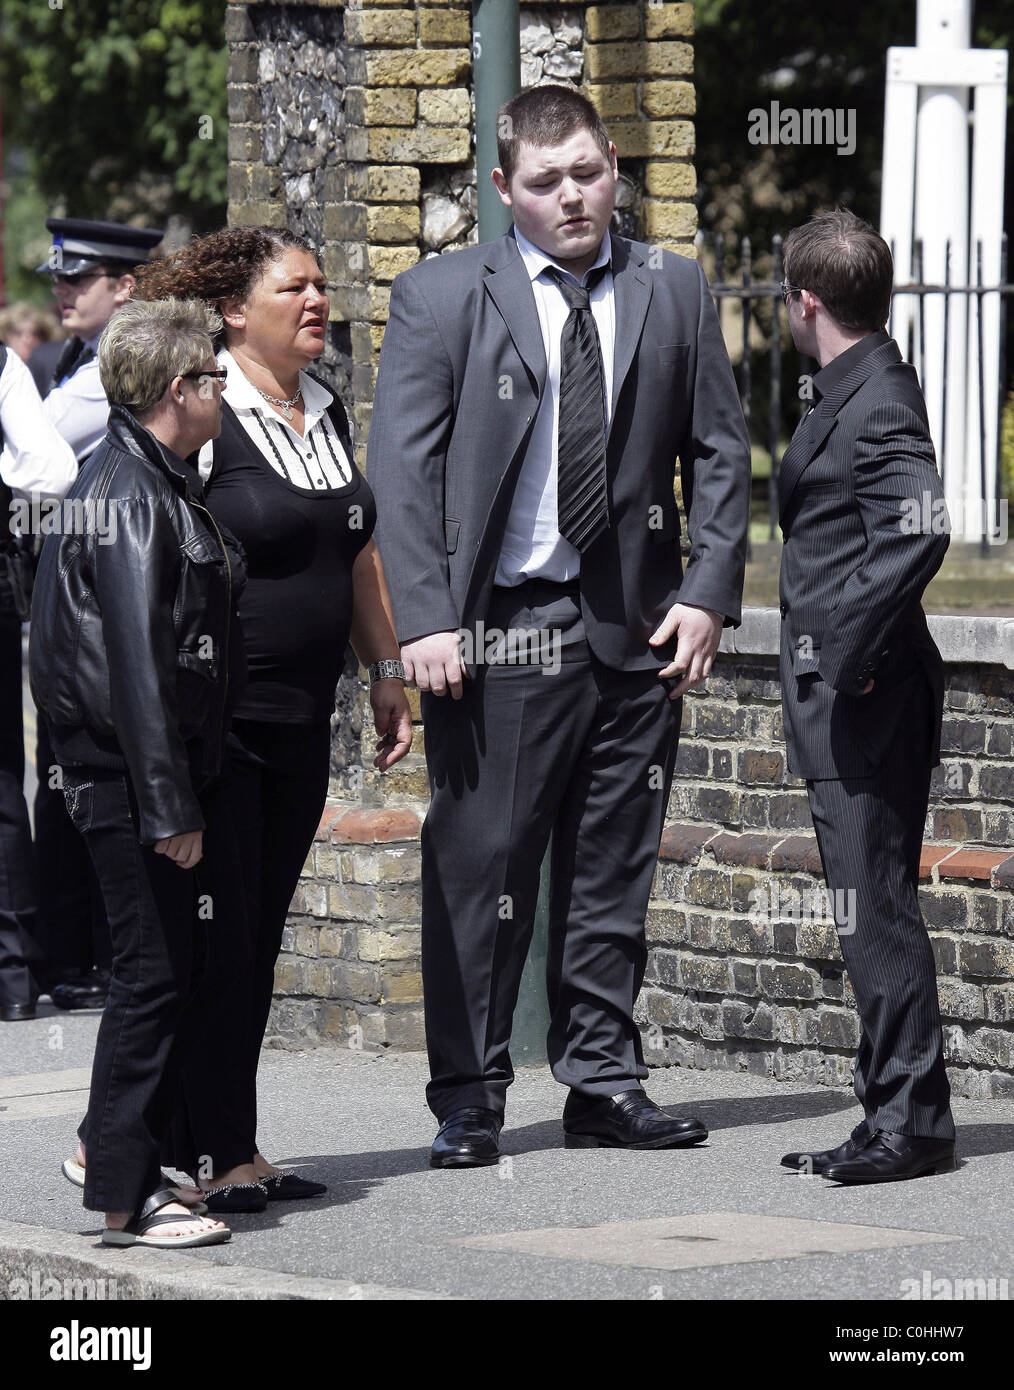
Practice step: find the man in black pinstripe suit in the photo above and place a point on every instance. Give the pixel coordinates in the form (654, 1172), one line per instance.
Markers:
(862, 680)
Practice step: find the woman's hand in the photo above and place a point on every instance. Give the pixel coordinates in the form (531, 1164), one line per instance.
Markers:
(392, 719)
(184, 850)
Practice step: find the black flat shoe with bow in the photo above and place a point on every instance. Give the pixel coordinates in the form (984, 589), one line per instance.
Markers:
(236, 1197)
(289, 1187)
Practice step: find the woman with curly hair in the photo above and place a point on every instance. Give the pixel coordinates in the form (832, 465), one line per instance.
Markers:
(281, 478)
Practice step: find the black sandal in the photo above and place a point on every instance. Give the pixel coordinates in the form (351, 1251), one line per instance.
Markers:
(74, 1172)
(136, 1231)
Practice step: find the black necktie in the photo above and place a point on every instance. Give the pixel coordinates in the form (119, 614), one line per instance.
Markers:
(581, 493)
(74, 353)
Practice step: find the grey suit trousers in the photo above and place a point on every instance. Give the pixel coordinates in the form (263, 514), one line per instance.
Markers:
(584, 753)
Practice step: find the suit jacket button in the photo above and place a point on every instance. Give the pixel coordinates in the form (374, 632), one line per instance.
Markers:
(784, 610)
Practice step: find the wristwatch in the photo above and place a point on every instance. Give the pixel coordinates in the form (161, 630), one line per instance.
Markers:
(386, 670)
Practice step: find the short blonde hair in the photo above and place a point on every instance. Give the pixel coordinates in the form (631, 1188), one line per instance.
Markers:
(21, 315)
(149, 342)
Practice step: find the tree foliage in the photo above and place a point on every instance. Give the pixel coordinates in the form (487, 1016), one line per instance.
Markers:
(804, 56)
(119, 106)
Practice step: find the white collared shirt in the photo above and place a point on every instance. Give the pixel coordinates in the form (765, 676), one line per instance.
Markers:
(35, 458)
(532, 544)
(315, 460)
(78, 408)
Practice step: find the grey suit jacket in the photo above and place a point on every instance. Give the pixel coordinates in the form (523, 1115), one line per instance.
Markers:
(462, 373)
(854, 567)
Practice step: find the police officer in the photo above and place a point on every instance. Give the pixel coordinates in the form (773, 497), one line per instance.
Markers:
(91, 266)
(34, 461)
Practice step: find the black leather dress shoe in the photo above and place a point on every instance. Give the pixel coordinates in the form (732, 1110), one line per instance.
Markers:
(893, 1158)
(467, 1139)
(14, 1013)
(86, 992)
(626, 1121)
(816, 1162)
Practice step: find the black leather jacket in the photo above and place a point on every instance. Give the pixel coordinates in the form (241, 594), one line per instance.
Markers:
(129, 650)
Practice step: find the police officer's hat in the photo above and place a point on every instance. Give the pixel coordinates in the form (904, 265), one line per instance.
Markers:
(79, 245)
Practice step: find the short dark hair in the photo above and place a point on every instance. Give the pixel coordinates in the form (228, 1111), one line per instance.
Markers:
(544, 116)
(840, 258)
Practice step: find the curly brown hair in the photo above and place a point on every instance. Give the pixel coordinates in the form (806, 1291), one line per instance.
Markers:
(220, 265)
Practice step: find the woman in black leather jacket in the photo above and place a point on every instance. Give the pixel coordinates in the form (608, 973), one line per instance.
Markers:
(129, 660)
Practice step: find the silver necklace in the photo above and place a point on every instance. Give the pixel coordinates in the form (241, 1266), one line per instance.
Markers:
(286, 406)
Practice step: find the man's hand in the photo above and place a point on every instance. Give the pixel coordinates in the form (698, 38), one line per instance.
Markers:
(184, 850)
(392, 720)
(699, 631)
(434, 663)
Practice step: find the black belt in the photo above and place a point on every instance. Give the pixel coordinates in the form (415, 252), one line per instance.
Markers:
(552, 588)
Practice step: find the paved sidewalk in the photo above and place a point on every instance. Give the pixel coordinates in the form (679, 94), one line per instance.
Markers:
(722, 1221)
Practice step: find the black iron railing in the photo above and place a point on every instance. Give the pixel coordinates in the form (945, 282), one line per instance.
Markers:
(761, 336)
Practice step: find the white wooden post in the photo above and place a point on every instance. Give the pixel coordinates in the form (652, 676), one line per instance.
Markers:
(926, 198)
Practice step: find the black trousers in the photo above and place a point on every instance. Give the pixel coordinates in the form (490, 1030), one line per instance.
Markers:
(584, 753)
(17, 865)
(276, 789)
(157, 939)
(869, 832)
(73, 933)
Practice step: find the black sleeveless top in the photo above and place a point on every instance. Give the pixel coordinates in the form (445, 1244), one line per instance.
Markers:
(301, 544)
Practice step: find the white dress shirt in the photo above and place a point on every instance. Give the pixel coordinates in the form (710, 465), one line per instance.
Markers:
(35, 458)
(532, 545)
(78, 408)
(315, 460)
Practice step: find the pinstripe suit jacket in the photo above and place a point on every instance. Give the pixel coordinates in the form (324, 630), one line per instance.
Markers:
(855, 563)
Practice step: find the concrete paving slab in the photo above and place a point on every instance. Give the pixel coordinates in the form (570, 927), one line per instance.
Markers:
(699, 1239)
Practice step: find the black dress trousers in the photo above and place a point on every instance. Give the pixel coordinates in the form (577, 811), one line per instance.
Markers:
(869, 833)
(157, 936)
(584, 753)
(17, 882)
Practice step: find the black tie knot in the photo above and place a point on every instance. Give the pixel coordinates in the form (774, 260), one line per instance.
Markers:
(578, 296)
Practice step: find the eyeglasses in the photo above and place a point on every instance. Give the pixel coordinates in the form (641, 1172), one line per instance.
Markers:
(788, 289)
(80, 277)
(219, 374)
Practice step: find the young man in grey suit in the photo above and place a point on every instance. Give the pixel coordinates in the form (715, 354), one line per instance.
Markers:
(533, 396)
(862, 680)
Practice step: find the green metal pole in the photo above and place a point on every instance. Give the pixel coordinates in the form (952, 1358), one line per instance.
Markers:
(496, 58)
